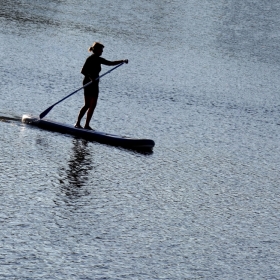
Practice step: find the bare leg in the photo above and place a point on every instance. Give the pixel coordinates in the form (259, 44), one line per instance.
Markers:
(83, 111)
(90, 111)
(80, 116)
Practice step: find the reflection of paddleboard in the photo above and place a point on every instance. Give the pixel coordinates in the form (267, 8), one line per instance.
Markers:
(101, 137)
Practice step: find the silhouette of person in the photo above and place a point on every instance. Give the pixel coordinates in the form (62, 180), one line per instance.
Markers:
(91, 70)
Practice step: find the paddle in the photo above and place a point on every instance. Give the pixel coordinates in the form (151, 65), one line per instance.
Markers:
(43, 114)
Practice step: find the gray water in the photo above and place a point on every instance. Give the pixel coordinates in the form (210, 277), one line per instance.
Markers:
(202, 82)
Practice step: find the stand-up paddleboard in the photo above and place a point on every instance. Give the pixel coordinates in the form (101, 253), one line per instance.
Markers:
(101, 137)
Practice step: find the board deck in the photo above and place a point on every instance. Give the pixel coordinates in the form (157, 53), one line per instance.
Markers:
(93, 135)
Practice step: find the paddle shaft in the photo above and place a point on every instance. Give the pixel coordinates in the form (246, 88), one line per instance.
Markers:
(43, 114)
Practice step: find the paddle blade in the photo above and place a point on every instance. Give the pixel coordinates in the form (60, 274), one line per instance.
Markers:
(43, 114)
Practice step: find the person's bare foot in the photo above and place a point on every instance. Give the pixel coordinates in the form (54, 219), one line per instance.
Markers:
(88, 128)
(78, 126)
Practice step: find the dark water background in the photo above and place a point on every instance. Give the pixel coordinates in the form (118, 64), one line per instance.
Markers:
(202, 81)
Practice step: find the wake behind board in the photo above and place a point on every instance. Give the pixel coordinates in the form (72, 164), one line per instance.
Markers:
(93, 135)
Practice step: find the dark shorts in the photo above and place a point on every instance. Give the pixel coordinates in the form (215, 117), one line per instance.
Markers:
(92, 89)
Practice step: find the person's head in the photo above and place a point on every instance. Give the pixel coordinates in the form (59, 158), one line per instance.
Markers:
(96, 48)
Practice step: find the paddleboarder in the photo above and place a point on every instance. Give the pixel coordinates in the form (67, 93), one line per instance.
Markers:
(91, 70)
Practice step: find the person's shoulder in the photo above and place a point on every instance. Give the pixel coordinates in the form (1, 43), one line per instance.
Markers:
(88, 58)
(91, 57)
(95, 58)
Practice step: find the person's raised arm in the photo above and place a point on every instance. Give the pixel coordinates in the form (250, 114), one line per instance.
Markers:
(112, 63)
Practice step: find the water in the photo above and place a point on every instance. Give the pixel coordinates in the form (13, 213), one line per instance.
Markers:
(202, 82)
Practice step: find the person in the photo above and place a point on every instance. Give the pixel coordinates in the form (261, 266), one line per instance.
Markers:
(91, 70)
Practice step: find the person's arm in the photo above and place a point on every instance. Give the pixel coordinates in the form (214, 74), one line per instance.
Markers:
(112, 63)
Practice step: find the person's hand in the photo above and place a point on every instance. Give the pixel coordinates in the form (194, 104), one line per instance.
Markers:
(125, 61)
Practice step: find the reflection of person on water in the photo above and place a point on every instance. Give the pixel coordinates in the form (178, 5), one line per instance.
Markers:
(80, 164)
(91, 70)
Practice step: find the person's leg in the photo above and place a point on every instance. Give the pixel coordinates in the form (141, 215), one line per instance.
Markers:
(83, 111)
(90, 111)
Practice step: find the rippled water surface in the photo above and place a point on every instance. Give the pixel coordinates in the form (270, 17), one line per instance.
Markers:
(202, 82)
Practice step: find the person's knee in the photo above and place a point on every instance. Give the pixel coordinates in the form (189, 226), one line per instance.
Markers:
(93, 103)
(86, 106)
